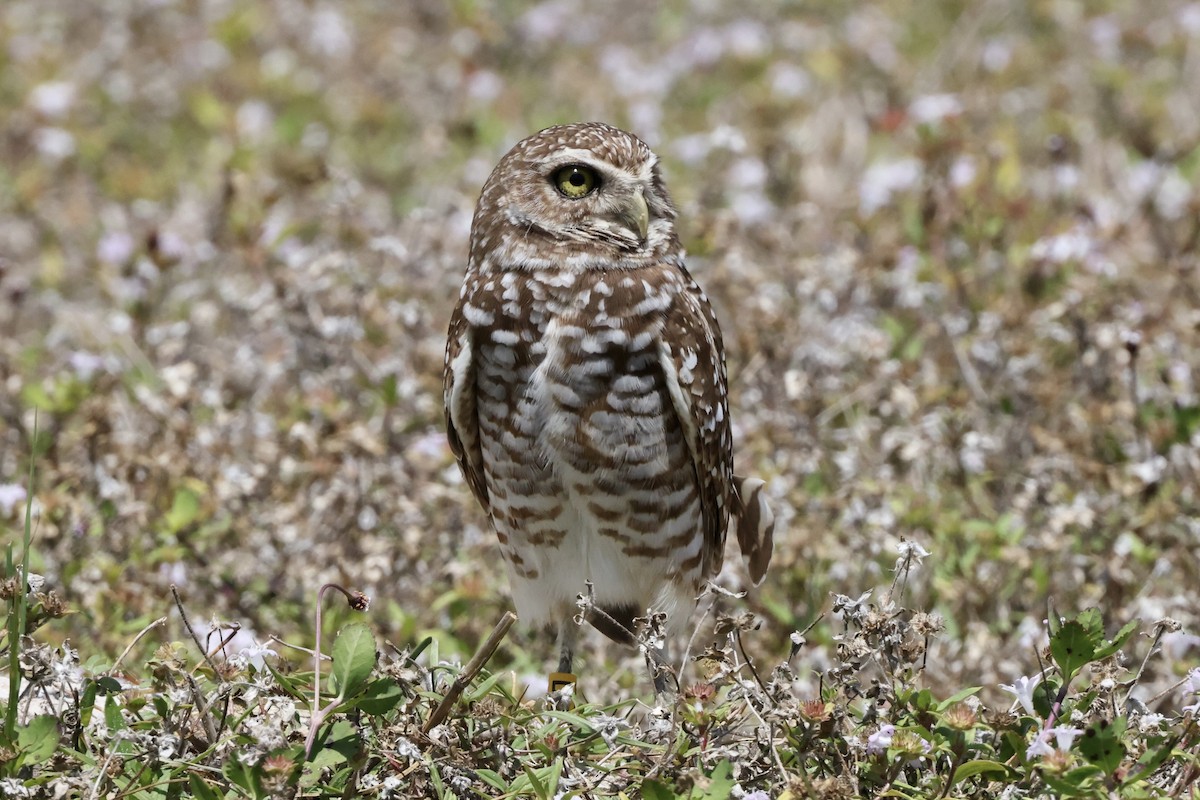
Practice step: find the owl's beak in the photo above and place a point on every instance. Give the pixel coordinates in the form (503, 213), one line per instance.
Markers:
(636, 215)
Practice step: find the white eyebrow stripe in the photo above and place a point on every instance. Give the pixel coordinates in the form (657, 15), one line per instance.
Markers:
(569, 155)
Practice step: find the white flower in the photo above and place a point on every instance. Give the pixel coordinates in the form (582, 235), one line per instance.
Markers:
(53, 99)
(11, 787)
(406, 749)
(1189, 19)
(962, 171)
(254, 120)
(1040, 747)
(881, 740)
(1193, 686)
(168, 745)
(1074, 245)
(1064, 736)
(54, 144)
(1150, 722)
(882, 180)
(911, 553)
(1148, 472)
(330, 34)
(10, 495)
(114, 247)
(934, 108)
(1023, 688)
(257, 651)
(84, 364)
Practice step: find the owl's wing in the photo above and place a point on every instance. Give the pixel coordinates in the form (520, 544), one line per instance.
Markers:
(694, 363)
(692, 356)
(462, 415)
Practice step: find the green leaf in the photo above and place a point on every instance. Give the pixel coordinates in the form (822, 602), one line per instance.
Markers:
(353, 659)
(653, 790)
(87, 703)
(113, 718)
(339, 746)
(185, 508)
(973, 768)
(539, 788)
(39, 739)
(1093, 623)
(1101, 744)
(1052, 619)
(483, 689)
(244, 775)
(380, 697)
(720, 782)
(1062, 788)
(435, 777)
(958, 697)
(1119, 640)
(492, 779)
(200, 789)
(1072, 647)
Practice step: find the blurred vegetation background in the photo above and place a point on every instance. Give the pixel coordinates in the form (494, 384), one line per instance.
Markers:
(953, 245)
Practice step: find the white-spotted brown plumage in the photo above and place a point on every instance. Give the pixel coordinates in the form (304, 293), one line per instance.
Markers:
(585, 387)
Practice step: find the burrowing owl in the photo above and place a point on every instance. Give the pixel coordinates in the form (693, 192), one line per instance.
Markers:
(585, 389)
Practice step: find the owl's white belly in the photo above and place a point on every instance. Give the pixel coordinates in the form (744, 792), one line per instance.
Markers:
(588, 477)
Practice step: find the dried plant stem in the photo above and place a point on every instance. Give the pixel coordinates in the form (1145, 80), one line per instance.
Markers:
(202, 708)
(192, 632)
(736, 635)
(359, 602)
(136, 639)
(355, 600)
(19, 609)
(470, 671)
(1159, 630)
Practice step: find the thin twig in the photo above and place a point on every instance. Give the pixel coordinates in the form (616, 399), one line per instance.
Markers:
(1159, 630)
(737, 639)
(202, 709)
(308, 651)
(359, 602)
(136, 639)
(469, 672)
(234, 630)
(191, 632)
(966, 368)
(100, 773)
(1133, 343)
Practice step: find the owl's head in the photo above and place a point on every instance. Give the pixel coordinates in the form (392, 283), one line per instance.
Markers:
(585, 195)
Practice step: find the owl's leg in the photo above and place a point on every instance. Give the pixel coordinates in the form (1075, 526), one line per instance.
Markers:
(568, 635)
(661, 672)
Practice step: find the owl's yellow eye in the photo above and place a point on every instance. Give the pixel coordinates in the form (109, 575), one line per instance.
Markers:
(575, 181)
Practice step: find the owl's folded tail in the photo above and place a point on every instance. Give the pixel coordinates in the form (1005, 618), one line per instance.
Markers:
(755, 526)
